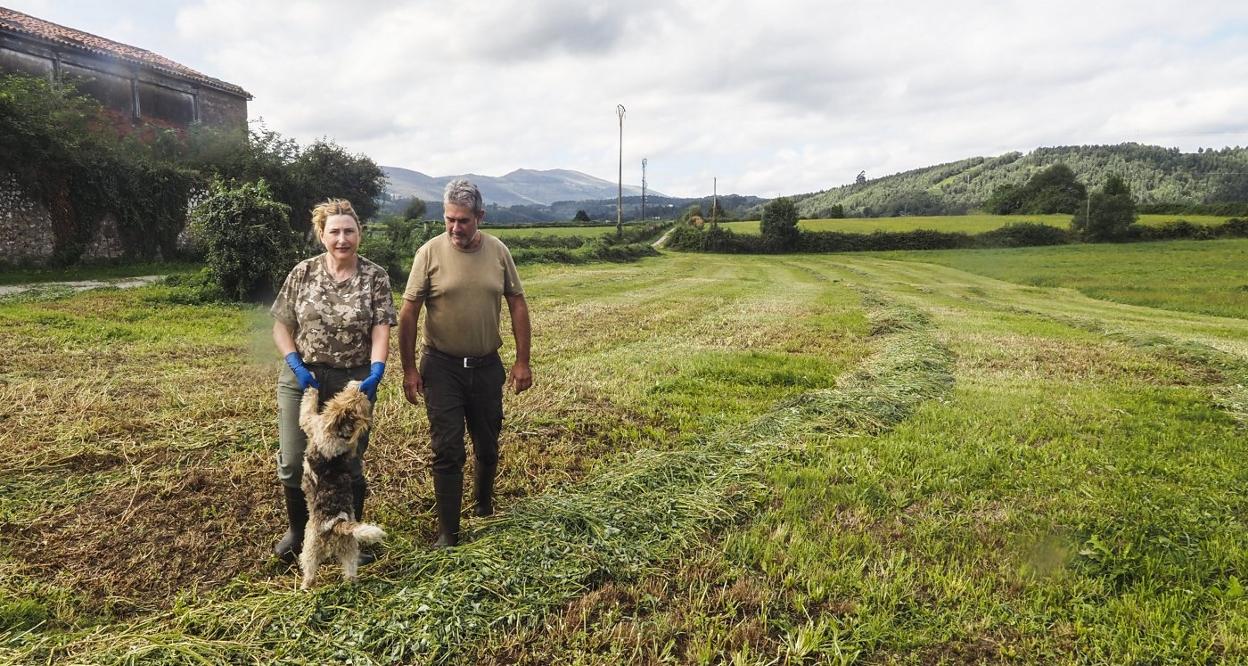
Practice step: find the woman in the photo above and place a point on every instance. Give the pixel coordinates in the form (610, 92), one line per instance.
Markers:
(332, 325)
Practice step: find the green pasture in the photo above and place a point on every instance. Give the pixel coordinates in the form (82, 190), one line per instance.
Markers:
(560, 231)
(971, 224)
(1207, 277)
(725, 459)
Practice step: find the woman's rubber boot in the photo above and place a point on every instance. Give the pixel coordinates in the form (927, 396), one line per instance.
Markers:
(448, 492)
(359, 490)
(288, 549)
(483, 488)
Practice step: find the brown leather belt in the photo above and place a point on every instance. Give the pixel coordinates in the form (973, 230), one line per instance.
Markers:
(466, 361)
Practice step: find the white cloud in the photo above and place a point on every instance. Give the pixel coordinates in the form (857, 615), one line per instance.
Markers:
(780, 97)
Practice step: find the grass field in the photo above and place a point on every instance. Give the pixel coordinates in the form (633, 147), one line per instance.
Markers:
(971, 224)
(726, 459)
(1208, 277)
(512, 232)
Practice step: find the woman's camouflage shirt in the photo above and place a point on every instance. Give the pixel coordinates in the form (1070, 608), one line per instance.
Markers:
(333, 321)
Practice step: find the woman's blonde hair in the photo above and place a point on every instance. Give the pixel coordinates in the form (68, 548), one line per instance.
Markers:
(330, 208)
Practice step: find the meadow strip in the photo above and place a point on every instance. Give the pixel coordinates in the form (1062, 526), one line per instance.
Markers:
(623, 522)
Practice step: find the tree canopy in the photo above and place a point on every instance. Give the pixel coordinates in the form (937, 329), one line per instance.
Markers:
(779, 225)
(1108, 214)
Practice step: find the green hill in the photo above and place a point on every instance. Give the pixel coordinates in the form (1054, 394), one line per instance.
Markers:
(1156, 176)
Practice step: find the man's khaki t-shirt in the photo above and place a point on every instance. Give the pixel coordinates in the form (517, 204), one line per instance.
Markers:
(463, 293)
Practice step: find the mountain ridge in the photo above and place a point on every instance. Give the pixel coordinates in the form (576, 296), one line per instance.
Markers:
(519, 187)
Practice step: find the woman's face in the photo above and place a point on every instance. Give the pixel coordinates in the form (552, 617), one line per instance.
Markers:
(341, 236)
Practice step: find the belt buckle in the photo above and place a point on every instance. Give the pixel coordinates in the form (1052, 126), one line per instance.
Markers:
(466, 364)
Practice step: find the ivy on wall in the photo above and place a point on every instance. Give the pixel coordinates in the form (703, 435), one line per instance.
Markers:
(61, 150)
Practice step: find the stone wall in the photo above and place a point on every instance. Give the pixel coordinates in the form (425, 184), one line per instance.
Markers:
(28, 238)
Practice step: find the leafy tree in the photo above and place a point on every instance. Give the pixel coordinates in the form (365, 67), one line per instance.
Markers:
(1231, 187)
(249, 244)
(835, 212)
(300, 178)
(1004, 200)
(1053, 190)
(415, 209)
(326, 170)
(1108, 214)
(581, 216)
(693, 211)
(779, 225)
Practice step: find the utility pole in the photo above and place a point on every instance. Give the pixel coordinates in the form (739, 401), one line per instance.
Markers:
(715, 202)
(643, 190)
(619, 197)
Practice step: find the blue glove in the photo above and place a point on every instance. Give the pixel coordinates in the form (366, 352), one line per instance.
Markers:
(301, 372)
(369, 385)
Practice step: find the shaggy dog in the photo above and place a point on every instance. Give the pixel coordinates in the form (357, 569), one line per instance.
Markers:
(333, 531)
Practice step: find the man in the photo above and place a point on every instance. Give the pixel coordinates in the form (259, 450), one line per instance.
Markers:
(459, 277)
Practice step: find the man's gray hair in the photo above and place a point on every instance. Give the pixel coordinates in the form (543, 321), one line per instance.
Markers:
(460, 192)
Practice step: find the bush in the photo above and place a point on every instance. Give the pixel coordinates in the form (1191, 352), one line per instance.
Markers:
(779, 225)
(1236, 227)
(1109, 214)
(249, 244)
(1023, 234)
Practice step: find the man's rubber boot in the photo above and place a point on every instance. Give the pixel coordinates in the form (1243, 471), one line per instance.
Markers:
(359, 490)
(448, 491)
(288, 549)
(483, 488)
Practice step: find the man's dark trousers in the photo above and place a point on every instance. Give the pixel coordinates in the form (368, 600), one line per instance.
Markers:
(462, 391)
(455, 396)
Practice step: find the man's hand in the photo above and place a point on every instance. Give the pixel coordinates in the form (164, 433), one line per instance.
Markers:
(521, 377)
(413, 385)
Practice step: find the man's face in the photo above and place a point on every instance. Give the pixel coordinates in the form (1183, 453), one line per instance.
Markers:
(461, 224)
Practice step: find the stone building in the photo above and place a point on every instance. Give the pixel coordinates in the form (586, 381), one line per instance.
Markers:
(139, 86)
(138, 89)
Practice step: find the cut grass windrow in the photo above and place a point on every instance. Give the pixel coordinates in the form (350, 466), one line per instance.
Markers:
(1229, 392)
(621, 523)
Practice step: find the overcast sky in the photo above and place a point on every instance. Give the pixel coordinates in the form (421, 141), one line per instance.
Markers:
(777, 97)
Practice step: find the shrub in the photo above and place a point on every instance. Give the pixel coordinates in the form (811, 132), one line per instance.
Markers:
(779, 225)
(1108, 215)
(249, 244)
(1236, 227)
(1023, 234)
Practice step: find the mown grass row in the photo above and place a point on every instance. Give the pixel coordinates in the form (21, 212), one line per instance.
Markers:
(1076, 498)
(618, 525)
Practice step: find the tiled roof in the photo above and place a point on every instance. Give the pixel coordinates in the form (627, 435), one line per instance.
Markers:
(26, 24)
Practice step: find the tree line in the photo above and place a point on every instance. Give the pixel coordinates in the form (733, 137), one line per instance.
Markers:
(1208, 180)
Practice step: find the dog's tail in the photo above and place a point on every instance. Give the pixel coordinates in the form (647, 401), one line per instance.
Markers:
(363, 532)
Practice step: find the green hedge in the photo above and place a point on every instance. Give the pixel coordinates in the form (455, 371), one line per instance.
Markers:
(1025, 234)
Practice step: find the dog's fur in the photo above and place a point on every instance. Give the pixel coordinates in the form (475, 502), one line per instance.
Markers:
(333, 530)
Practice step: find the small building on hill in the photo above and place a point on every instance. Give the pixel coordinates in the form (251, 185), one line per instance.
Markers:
(137, 86)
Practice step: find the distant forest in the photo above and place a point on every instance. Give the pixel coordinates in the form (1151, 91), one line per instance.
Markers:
(1161, 179)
